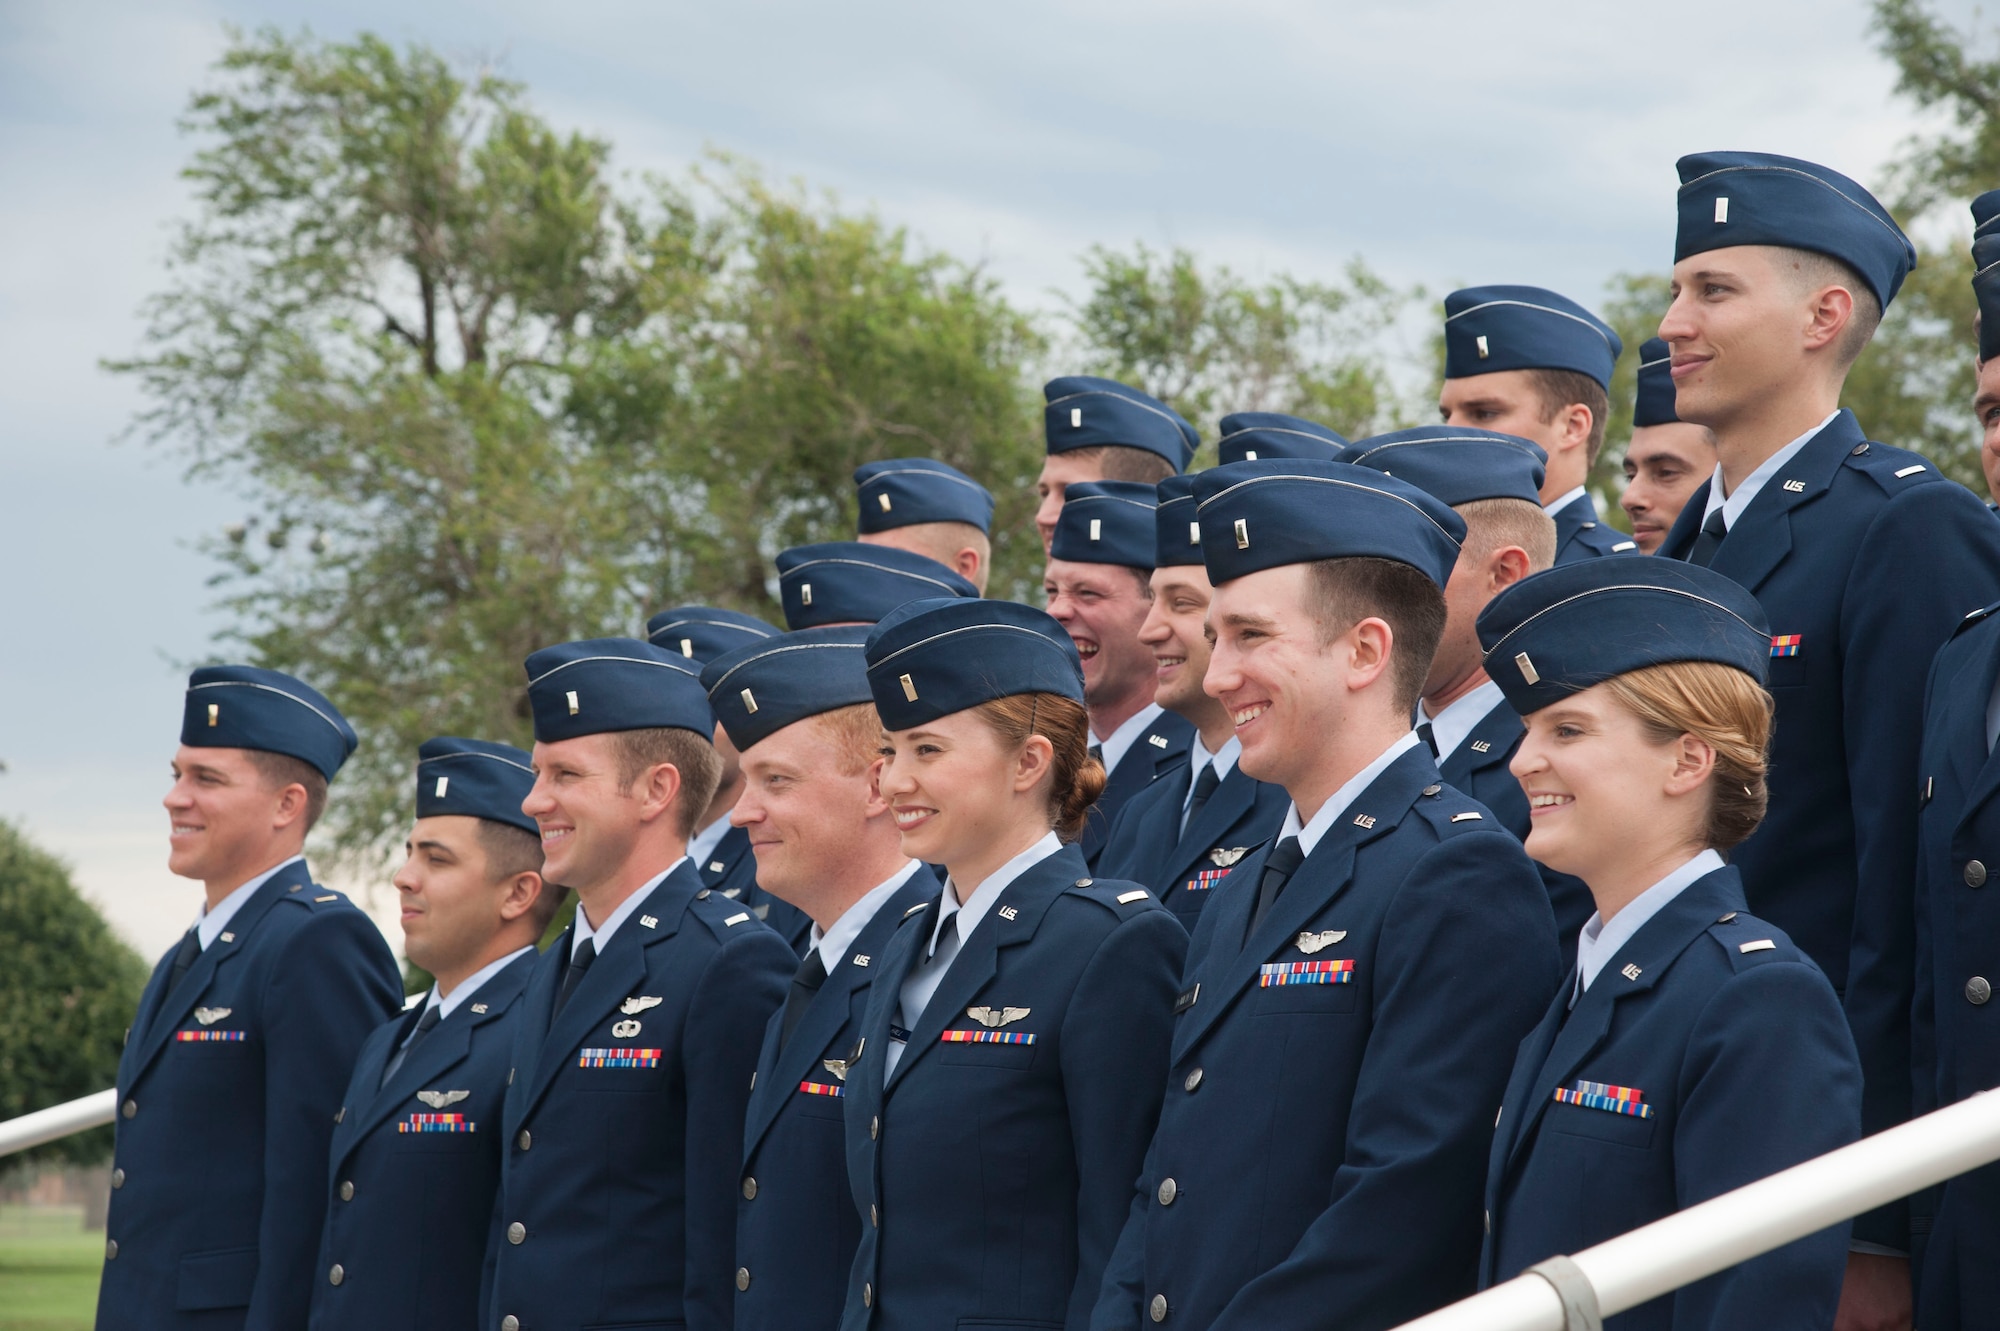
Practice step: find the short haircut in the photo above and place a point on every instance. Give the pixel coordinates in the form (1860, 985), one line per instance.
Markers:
(512, 851)
(1727, 710)
(692, 755)
(279, 770)
(943, 540)
(1343, 592)
(1491, 524)
(1561, 389)
(1119, 463)
(1811, 272)
(856, 732)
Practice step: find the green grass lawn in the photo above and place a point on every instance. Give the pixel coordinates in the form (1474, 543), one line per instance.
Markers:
(48, 1269)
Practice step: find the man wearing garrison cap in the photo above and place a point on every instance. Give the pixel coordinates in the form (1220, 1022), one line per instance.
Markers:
(1864, 559)
(721, 853)
(416, 1144)
(929, 509)
(800, 709)
(1957, 926)
(1102, 430)
(847, 582)
(1667, 456)
(638, 1033)
(1097, 586)
(1181, 834)
(234, 1065)
(1354, 993)
(1251, 436)
(1537, 365)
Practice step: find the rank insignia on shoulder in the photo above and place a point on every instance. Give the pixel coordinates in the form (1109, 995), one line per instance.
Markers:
(991, 1017)
(208, 1016)
(1186, 999)
(1127, 898)
(1909, 471)
(837, 1066)
(1157, 741)
(762, 912)
(1623, 546)
(1613, 1099)
(443, 1099)
(624, 1030)
(638, 1003)
(1310, 942)
(1481, 746)
(331, 896)
(1228, 857)
(732, 892)
(736, 919)
(1469, 816)
(1757, 945)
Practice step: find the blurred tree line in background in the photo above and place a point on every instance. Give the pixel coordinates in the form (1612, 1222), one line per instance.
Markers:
(482, 396)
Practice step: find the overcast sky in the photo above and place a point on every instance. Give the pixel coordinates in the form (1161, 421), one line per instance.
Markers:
(1442, 140)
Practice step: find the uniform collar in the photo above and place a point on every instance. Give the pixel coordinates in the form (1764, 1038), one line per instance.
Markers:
(833, 944)
(210, 923)
(1599, 942)
(981, 901)
(1309, 834)
(1223, 759)
(1739, 499)
(1563, 501)
(1115, 745)
(602, 933)
(1450, 727)
(470, 985)
(703, 843)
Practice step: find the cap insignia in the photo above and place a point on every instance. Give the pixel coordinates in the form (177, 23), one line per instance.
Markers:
(1249, 455)
(1076, 418)
(1194, 533)
(687, 648)
(1721, 208)
(1528, 671)
(214, 712)
(1096, 528)
(909, 689)
(805, 593)
(573, 707)
(749, 702)
(1242, 533)
(1480, 342)
(883, 500)
(444, 783)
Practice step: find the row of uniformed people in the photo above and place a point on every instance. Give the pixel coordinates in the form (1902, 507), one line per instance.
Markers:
(1777, 204)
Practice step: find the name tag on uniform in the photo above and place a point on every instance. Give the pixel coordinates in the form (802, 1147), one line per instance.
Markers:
(1305, 972)
(436, 1123)
(619, 1058)
(1627, 1100)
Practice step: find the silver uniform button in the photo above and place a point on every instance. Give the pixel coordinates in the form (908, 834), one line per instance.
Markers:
(517, 1232)
(347, 1190)
(1158, 1311)
(1977, 990)
(130, 1108)
(874, 1127)
(336, 1275)
(525, 1140)
(1975, 874)
(110, 1249)
(868, 1296)
(749, 1189)
(874, 1216)
(510, 1323)
(1168, 1191)
(117, 1178)
(742, 1277)
(1193, 1079)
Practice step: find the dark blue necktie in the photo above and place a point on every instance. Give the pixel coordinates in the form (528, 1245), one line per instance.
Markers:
(1712, 532)
(425, 1025)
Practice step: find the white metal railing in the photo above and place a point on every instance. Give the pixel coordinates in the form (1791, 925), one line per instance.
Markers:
(46, 1125)
(1659, 1258)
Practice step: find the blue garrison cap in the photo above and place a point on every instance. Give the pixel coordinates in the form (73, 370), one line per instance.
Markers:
(931, 658)
(700, 633)
(901, 492)
(603, 684)
(1985, 212)
(1986, 270)
(1653, 402)
(1762, 199)
(244, 707)
(846, 582)
(1457, 464)
(1559, 632)
(1259, 515)
(1176, 527)
(1087, 412)
(1248, 436)
(760, 689)
(474, 778)
(1488, 329)
(1106, 522)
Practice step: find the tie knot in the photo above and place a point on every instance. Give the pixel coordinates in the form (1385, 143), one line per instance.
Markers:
(433, 1014)
(1205, 784)
(812, 971)
(1717, 524)
(1285, 857)
(583, 954)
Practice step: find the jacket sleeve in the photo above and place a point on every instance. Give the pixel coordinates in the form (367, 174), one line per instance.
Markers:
(334, 984)
(1770, 1079)
(1117, 1034)
(1467, 960)
(743, 985)
(1123, 1286)
(1931, 556)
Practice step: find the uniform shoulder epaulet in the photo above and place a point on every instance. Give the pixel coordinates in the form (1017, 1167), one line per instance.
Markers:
(1747, 941)
(1451, 812)
(314, 897)
(722, 916)
(1117, 895)
(1894, 469)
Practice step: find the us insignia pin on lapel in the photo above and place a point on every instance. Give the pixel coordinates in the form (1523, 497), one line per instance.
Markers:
(1480, 746)
(1226, 858)
(1310, 942)
(649, 921)
(1630, 971)
(633, 1006)
(1008, 912)
(208, 1016)
(992, 1017)
(624, 1030)
(229, 938)
(440, 1099)
(479, 1009)
(861, 959)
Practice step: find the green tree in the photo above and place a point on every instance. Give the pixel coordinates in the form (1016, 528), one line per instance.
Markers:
(482, 398)
(1210, 342)
(67, 993)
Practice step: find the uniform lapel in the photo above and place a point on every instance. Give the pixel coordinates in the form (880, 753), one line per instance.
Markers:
(1680, 536)
(1028, 897)
(1762, 534)
(1636, 968)
(1977, 773)
(1234, 795)
(173, 1007)
(1498, 731)
(1570, 518)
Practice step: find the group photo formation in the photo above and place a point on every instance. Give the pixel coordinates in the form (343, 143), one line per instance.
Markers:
(1191, 867)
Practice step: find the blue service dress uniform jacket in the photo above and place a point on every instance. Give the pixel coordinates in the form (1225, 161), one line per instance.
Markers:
(1151, 756)
(1323, 1140)
(1581, 535)
(624, 1120)
(1958, 962)
(414, 1167)
(1708, 1053)
(1478, 767)
(227, 1091)
(796, 1228)
(1149, 846)
(995, 1167)
(1864, 559)
(731, 871)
